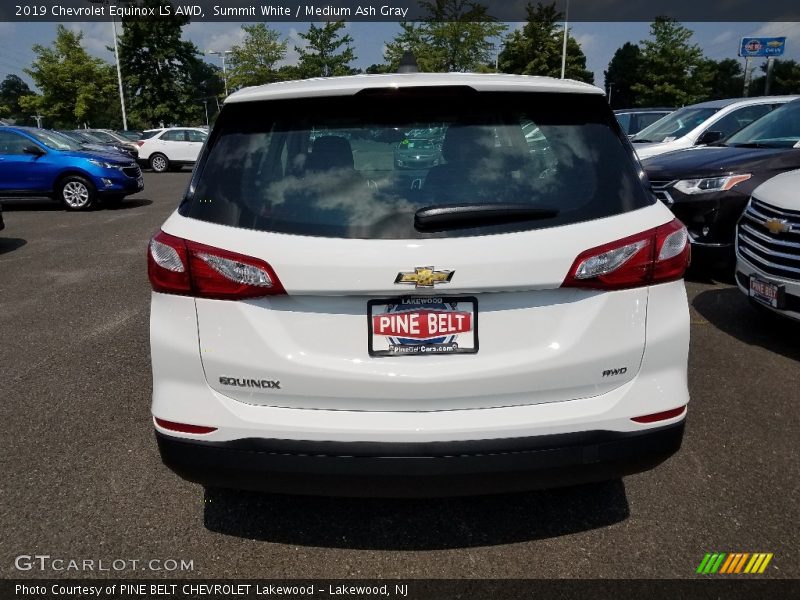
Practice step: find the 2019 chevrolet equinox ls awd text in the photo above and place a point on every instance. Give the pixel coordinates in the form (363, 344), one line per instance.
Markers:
(324, 322)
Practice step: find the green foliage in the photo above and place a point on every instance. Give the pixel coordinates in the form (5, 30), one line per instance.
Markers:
(327, 53)
(537, 48)
(378, 69)
(785, 78)
(158, 67)
(455, 37)
(725, 78)
(11, 90)
(253, 63)
(76, 88)
(672, 73)
(624, 71)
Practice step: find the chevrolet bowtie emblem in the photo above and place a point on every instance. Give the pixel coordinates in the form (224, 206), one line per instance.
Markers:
(777, 226)
(424, 277)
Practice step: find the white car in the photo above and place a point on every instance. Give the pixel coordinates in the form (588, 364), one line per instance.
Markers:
(768, 246)
(703, 123)
(325, 323)
(172, 148)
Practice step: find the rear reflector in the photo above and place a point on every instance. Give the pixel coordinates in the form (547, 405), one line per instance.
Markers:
(653, 256)
(662, 416)
(183, 427)
(178, 266)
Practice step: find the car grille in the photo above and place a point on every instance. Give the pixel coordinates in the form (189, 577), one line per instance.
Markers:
(660, 190)
(773, 253)
(132, 171)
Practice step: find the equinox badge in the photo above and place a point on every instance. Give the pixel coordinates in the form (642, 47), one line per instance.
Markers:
(424, 277)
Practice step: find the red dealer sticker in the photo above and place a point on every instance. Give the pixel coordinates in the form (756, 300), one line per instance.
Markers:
(423, 326)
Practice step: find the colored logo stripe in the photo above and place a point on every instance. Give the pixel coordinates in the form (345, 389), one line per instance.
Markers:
(734, 563)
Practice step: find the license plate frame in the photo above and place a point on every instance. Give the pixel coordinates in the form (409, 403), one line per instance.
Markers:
(766, 292)
(424, 347)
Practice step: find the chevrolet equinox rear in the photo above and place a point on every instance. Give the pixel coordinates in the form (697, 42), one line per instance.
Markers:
(508, 316)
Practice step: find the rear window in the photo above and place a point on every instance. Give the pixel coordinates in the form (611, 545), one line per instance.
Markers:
(363, 166)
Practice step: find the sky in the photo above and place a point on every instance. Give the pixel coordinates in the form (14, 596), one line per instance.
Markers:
(598, 40)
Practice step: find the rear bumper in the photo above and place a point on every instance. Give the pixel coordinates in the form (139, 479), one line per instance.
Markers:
(419, 469)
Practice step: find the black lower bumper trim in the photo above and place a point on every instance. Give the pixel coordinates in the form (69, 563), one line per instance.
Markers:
(419, 470)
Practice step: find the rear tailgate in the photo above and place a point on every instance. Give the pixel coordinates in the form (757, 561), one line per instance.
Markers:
(536, 342)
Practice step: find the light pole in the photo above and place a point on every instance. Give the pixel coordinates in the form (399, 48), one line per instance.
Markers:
(205, 105)
(116, 58)
(564, 50)
(222, 55)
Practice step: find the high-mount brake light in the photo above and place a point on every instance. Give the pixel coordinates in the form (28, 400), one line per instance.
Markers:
(178, 266)
(654, 256)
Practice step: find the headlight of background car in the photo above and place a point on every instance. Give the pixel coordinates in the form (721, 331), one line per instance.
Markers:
(710, 184)
(102, 164)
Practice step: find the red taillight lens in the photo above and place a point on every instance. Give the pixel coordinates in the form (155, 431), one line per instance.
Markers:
(183, 427)
(167, 264)
(653, 256)
(662, 416)
(140, 143)
(178, 266)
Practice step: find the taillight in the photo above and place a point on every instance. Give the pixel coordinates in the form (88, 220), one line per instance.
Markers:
(662, 416)
(653, 256)
(140, 143)
(184, 427)
(178, 266)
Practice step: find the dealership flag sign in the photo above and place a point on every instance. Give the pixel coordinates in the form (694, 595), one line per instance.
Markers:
(769, 47)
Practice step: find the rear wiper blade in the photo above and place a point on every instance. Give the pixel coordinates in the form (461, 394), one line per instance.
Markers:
(453, 216)
(642, 141)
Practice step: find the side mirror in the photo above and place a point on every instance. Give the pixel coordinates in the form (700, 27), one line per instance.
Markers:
(709, 137)
(33, 149)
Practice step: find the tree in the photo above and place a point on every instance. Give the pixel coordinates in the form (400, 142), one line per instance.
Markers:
(157, 66)
(209, 87)
(253, 63)
(75, 87)
(455, 37)
(623, 72)
(785, 78)
(725, 78)
(11, 90)
(327, 53)
(537, 48)
(672, 73)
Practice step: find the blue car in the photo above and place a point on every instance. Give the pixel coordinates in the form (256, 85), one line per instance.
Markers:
(38, 162)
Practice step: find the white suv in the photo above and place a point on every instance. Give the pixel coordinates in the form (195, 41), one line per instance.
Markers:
(768, 246)
(172, 148)
(323, 322)
(704, 123)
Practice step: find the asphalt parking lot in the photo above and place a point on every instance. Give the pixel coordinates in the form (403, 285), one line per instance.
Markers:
(82, 477)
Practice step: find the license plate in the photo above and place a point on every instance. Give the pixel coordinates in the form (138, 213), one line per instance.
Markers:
(140, 182)
(766, 292)
(422, 326)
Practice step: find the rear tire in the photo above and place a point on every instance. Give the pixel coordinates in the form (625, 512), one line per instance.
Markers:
(159, 163)
(76, 193)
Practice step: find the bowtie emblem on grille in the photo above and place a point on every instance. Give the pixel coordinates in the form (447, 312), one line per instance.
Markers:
(777, 226)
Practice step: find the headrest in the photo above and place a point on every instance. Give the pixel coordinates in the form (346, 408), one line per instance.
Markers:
(330, 152)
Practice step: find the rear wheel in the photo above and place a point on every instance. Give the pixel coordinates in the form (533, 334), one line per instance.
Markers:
(159, 163)
(76, 193)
